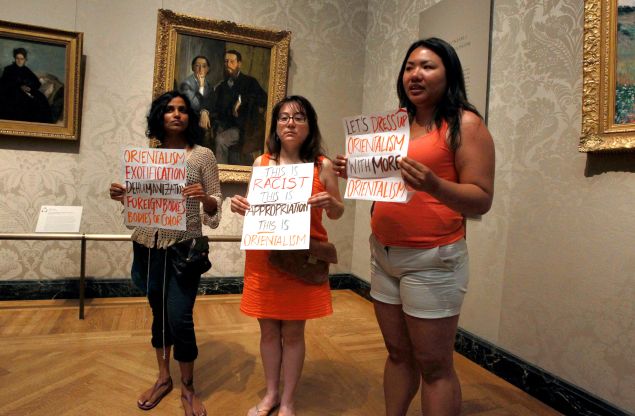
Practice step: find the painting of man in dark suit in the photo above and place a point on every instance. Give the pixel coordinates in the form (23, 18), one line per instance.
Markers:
(20, 95)
(238, 113)
(227, 82)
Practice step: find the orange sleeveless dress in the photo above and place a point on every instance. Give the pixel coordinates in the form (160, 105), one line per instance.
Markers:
(273, 294)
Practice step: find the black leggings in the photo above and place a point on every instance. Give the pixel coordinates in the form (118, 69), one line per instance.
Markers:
(171, 305)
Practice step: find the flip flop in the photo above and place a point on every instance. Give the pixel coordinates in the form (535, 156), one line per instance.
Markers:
(152, 405)
(185, 400)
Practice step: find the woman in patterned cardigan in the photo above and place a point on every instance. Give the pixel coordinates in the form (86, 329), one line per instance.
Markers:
(174, 124)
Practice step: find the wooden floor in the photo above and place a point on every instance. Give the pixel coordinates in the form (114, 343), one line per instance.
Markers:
(53, 364)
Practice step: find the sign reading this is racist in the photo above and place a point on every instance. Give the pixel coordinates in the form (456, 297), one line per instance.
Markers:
(154, 180)
(374, 143)
(279, 217)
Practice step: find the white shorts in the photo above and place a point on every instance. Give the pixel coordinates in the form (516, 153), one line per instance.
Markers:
(429, 283)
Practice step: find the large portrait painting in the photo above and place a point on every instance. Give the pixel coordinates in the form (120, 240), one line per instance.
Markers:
(608, 101)
(40, 82)
(232, 74)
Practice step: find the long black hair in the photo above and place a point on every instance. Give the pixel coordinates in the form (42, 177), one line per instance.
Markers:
(158, 108)
(454, 101)
(311, 148)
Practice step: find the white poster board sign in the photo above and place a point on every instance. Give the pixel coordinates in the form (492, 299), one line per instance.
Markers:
(469, 34)
(59, 219)
(154, 180)
(374, 143)
(279, 217)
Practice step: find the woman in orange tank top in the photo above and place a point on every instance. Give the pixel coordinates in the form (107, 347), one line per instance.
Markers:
(281, 302)
(419, 261)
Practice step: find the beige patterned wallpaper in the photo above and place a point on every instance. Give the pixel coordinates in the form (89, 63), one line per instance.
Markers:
(568, 301)
(119, 35)
(552, 264)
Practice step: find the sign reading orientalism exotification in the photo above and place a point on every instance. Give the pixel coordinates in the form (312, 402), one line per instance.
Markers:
(373, 145)
(154, 180)
(279, 217)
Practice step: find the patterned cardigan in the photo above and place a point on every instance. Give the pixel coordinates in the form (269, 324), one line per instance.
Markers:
(201, 168)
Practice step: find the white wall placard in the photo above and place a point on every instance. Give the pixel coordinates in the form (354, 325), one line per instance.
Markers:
(59, 219)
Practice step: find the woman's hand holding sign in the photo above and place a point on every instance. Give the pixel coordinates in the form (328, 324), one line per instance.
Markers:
(239, 204)
(117, 192)
(418, 176)
(339, 166)
(197, 192)
(323, 200)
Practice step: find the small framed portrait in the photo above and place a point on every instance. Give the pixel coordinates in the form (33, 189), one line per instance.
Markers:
(40, 82)
(608, 91)
(233, 76)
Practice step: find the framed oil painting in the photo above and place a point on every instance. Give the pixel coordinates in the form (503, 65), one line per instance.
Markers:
(232, 74)
(40, 83)
(608, 96)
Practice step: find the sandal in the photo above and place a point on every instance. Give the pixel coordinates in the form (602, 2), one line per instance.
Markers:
(187, 401)
(151, 405)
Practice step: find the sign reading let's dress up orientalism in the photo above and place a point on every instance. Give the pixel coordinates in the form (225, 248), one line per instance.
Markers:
(279, 217)
(373, 145)
(154, 180)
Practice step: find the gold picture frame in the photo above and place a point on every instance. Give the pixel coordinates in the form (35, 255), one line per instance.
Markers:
(182, 38)
(608, 96)
(40, 85)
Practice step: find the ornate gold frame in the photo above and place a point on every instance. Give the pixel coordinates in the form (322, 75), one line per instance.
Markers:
(599, 131)
(72, 42)
(171, 24)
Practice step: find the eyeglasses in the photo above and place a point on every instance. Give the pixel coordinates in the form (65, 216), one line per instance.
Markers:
(298, 118)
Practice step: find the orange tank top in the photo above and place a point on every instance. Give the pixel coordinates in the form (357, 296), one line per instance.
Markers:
(423, 222)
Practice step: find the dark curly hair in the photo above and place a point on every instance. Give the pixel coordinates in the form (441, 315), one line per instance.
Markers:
(239, 57)
(454, 102)
(158, 108)
(19, 51)
(311, 149)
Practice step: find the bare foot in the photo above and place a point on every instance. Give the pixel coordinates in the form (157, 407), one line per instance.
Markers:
(287, 410)
(151, 397)
(266, 407)
(192, 405)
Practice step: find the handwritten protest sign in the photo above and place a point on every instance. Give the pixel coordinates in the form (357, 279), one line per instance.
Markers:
(154, 180)
(373, 145)
(279, 217)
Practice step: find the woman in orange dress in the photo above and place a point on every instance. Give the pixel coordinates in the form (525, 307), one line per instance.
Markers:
(281, 302)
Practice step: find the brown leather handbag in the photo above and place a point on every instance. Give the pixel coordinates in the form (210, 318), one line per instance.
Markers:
(311, 266)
